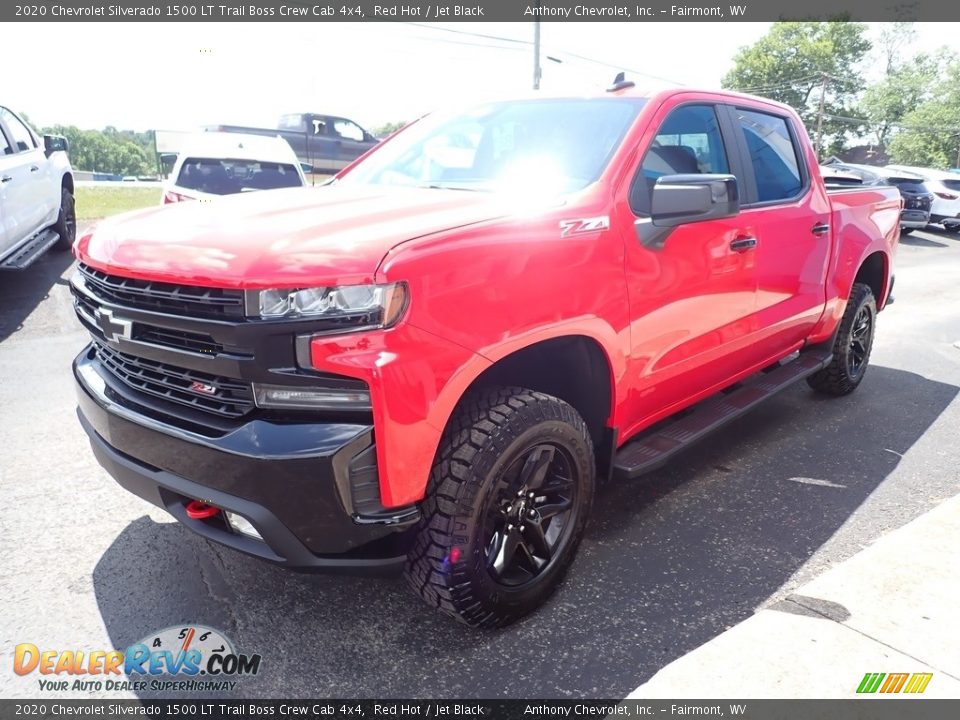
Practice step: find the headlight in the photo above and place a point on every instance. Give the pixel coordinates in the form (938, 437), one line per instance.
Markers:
(351, 305)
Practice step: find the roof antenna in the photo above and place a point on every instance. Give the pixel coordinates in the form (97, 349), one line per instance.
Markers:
(621, 83)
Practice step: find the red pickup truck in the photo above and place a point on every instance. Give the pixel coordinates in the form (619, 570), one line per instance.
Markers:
(430, 364)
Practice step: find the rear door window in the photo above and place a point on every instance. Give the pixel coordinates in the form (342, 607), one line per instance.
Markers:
(773, 155)
(227, 177)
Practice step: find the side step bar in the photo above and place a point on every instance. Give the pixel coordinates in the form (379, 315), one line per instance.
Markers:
(28, 253)
(655, 449)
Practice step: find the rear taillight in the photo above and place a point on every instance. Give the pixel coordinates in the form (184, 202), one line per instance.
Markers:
(946, 195)
(171, 197)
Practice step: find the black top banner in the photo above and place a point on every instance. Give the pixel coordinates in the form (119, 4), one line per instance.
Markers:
(479, 10)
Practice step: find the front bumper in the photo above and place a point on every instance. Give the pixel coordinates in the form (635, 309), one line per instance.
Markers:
(299, 483)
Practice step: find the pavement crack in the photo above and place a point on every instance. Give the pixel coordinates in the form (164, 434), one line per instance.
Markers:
(215, 582)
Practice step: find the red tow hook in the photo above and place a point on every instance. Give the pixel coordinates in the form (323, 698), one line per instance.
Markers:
(199, 510)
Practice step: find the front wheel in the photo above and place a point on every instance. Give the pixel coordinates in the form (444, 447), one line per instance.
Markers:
(507, 504)
(906, 231)
(66, 225)
(851, 349)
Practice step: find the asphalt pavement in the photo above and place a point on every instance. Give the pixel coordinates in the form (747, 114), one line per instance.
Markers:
(669, 562)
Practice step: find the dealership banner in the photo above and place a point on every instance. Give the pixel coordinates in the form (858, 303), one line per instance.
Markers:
(479, 10)
(207, 709)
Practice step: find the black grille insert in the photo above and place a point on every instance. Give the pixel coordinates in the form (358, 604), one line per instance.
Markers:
(164, 297)
(212, 393)
(181, 339)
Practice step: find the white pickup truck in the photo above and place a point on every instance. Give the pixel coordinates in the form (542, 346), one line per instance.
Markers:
(36, 193)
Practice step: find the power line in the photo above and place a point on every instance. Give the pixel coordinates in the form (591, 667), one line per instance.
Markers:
(795, 81)
(528, 43)
(901, 126)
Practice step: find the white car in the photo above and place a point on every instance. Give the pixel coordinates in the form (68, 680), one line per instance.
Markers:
(36, 193)
(212, 164)
(945, 187)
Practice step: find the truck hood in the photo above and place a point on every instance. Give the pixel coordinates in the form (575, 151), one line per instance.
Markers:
(279, 238)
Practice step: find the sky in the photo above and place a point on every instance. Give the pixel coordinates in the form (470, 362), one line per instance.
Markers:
(181, 76)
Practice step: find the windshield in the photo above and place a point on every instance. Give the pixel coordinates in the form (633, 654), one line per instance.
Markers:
(551, 146)
(226, 177)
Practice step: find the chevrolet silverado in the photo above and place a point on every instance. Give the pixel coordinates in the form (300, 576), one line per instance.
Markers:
(430, 364)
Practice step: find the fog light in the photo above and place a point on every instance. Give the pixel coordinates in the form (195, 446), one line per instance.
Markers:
(238, 523)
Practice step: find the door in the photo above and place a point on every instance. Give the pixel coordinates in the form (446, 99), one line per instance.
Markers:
(789, 215)
(6, 222)
(23, 172)
(692, 293)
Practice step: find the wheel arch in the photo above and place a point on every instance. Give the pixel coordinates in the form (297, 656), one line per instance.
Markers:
(874, 272)
(67, 183)
(575, 368)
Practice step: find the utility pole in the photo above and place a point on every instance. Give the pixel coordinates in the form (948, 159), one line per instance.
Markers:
(823, 92)
(536, 49)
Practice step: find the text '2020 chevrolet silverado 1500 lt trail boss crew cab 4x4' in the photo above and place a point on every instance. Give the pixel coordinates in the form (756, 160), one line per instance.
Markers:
(432, 363)
(36, 193)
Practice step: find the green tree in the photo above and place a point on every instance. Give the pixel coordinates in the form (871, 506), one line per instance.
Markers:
(388, 128)
(931, 132)
(795, 61)
(119, 152)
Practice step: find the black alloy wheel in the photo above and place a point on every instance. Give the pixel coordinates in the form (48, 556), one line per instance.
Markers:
(861, 340)
(528, 520)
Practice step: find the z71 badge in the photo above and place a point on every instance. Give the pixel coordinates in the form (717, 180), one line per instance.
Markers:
(581, 226)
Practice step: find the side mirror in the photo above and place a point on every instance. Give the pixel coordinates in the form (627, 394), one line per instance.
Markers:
(54, 143)
(168, 158)
(307, 168)
(682, 199)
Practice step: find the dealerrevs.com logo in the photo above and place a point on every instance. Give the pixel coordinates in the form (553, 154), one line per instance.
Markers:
(180, 658)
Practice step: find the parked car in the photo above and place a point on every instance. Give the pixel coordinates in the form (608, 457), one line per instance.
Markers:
(36, 193)
(917, 198)
(213, 164)
(432, 363)
(945, 187)
(325, 142)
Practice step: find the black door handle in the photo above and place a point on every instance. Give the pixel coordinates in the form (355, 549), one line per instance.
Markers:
(6, 178)
(34, 168)
(820, 229)
(743, 244)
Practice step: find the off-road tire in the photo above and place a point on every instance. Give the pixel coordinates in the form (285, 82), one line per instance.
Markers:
(489, 436)
(66, 225)
(843, 375)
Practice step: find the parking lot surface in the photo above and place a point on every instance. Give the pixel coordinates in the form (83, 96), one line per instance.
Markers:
(669, 561)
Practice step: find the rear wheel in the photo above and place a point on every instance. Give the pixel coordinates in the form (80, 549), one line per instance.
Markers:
(906, 231)
(66, 225)
(507, 504)
(851, 349)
